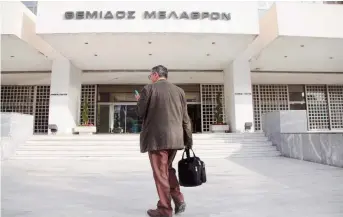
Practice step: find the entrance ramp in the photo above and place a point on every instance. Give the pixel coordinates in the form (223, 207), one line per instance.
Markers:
(219, 146)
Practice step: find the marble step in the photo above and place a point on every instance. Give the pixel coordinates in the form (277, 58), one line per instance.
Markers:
(256, 155)
(123, 152)
(136, 145)
(136, 137)
(144, 156)
(137, 148)
(100, 158)
(195, 141)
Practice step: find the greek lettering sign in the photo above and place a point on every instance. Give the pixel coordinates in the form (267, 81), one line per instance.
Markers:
(147, 15)
(59, 94)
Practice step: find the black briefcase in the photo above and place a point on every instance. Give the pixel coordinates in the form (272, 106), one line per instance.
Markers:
(191, 170)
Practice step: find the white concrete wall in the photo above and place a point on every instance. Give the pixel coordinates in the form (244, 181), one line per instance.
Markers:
(296, 78)
(75, 92)
(64, 95)
(229, 98)
(11, 17)
(320, 20)
(238, 94)
(15, 129)
(292, 121)
(18, 20)
(244, 17)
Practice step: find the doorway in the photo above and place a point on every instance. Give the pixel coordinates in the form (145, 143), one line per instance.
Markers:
(122, 118)
(116, 108)
(118, 118)
(194, 113)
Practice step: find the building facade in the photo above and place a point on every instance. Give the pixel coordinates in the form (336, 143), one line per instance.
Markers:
(66, 58)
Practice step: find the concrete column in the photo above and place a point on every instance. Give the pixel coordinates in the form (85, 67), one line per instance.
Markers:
(238, 94)
(65, 91)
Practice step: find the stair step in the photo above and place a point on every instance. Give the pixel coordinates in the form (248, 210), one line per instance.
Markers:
(113, 153)
(126, 147)
(255, 155)
(94, 157)
(140, 156)
(135, 148)
(136, 137)
(85, 140)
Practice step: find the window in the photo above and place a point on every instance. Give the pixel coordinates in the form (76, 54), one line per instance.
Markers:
(296, 93)
(297, 97)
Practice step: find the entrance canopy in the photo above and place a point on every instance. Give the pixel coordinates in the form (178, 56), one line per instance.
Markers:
(141, 51)
(301, 38)
(126, 36)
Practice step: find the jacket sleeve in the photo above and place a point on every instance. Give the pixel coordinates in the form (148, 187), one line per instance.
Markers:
(143, 102)
(186, 124)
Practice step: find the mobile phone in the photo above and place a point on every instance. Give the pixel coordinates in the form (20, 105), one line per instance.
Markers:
(136, 92)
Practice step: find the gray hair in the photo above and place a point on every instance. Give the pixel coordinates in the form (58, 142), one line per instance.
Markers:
(160, 70)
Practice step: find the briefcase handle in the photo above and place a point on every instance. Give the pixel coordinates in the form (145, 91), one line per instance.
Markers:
(187, 153)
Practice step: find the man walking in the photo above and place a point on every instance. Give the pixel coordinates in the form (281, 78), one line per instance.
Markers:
(166, 129)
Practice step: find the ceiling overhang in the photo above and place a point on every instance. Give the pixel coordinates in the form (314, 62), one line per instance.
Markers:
(111, 51)
(21, 48)
(296, 38)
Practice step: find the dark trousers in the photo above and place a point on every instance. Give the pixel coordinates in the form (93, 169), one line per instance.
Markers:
(165, 179)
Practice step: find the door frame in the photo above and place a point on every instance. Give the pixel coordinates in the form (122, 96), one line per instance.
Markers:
(112, 104)
(111, 111)
(193, 103)
(197, 103)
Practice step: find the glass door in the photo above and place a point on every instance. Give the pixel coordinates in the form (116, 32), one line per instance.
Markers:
(124, 119)
(133, 124)
(194, 113)
(104, 118)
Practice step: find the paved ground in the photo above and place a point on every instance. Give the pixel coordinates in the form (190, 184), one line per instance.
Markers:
(236, 188)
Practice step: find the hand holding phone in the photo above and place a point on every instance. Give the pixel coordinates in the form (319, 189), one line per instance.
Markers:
(137, 96)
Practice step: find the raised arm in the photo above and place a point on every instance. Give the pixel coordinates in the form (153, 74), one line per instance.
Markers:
(143, 101)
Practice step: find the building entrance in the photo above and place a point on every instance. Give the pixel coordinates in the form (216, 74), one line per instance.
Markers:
(118, 118)
(194, 112)
(117, 108)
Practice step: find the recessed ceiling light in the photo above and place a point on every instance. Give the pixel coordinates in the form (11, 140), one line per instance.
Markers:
(95, 55)
(86, 42)
(302, 45)
(208, 54)
(149, 42)
(12, 56)
(213, 42)
(331, 58)
(285, 56)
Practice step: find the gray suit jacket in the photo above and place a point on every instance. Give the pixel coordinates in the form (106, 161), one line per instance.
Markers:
(166, 124)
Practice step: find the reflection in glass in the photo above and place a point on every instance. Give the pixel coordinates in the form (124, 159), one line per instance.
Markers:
(125, 119)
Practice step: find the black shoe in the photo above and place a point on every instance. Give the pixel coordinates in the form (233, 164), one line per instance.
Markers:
(180, 208)
(157, 213)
